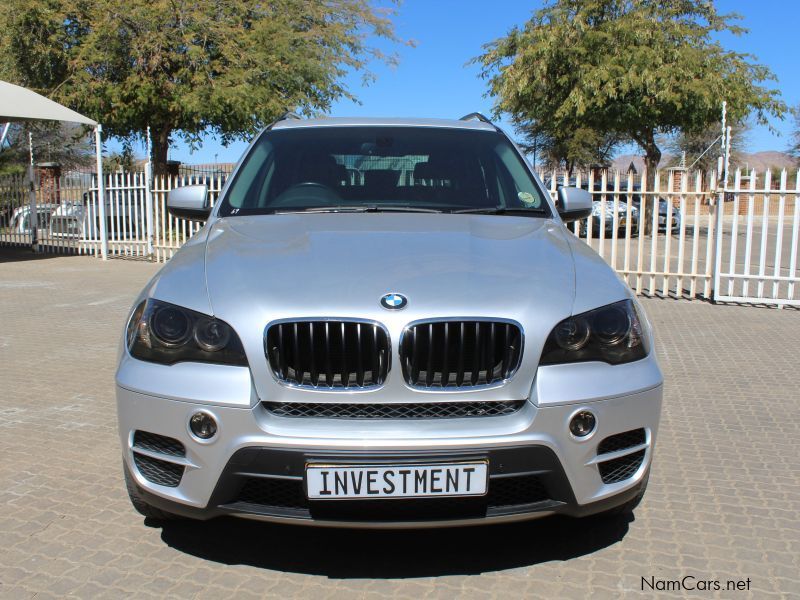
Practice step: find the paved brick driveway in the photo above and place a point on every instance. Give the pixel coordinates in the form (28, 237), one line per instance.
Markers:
(723, 503)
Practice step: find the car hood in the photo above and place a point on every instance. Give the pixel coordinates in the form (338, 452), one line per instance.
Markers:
(263, 268)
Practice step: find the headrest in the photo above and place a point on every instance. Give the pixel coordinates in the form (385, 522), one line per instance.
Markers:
(381, 177)
(424, 170)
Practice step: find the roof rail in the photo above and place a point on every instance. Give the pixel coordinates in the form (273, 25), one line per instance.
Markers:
(289, 115)
(476, 116)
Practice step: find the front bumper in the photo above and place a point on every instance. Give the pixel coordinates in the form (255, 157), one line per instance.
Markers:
(255, 465)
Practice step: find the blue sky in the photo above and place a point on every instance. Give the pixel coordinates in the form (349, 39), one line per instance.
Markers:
(433, 81)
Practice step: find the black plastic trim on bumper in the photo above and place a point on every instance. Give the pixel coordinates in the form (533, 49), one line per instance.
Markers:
(290, 464)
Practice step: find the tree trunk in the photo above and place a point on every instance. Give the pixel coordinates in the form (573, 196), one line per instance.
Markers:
(160, 143)
(652, 156)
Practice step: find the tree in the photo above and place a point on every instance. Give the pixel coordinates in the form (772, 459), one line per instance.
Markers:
(696, 143)
(67, 144)
(581, 147)
(189, 68)
(124, 160)
(632, 68)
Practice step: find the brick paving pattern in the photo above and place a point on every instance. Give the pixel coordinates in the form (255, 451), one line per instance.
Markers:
(723, 502)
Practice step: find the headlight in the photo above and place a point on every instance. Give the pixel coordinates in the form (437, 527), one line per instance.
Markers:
(165, 333)
(611, 334)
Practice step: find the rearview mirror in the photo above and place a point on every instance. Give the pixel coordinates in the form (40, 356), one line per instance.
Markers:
(574, 204)
(189, 202)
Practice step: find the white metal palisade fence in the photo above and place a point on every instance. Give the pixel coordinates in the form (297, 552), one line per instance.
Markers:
(675, 238)
(659, 240)
(126, 201)
(68, 221)
(690, 237)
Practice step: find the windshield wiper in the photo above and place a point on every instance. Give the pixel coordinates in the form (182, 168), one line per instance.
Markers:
(500, 210)
(416, 209)
(371, 208)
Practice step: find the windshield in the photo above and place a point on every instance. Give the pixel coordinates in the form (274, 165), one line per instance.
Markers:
(323, 169)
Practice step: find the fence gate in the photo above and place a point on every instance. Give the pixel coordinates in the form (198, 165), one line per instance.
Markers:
(758, 226)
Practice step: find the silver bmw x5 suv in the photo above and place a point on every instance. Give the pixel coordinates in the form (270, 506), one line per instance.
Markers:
(385, 323)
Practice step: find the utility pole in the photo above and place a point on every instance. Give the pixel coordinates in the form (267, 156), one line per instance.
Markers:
(722, 178)
(723, 150)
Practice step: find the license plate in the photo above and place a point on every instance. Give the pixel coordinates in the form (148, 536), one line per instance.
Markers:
(338, 482)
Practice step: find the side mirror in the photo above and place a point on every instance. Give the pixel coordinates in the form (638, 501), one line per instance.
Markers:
(574, 204)
(189, 202)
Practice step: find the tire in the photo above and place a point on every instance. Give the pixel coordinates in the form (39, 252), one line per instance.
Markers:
(628, 507)
(142, 507)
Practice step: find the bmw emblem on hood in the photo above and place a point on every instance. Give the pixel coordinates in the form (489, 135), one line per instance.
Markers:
(394, 301)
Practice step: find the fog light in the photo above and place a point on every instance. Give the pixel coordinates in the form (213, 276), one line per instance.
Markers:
(582, 424)
(203, 425)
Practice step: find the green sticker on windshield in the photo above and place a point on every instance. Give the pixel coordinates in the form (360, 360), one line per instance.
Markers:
(526, 198)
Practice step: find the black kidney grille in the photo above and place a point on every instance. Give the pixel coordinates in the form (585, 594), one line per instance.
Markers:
(417, 410)
(619, 469)
(444, 354)
(621, 441)
(328, 354)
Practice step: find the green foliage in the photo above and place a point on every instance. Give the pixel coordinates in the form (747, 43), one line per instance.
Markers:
(66, 144)
(581, 147)
(631, 68)
(124, 160)
(226, 67)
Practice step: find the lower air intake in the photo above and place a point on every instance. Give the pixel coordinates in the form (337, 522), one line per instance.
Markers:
(158, 443)
(281, 493)
(621, 441)
(620, 469)
(513, 491)
(269, 494)
(158, 471)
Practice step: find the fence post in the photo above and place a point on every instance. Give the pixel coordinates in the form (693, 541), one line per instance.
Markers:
(34, 218)
(148, 196)
(101, 196)
(720, 208)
